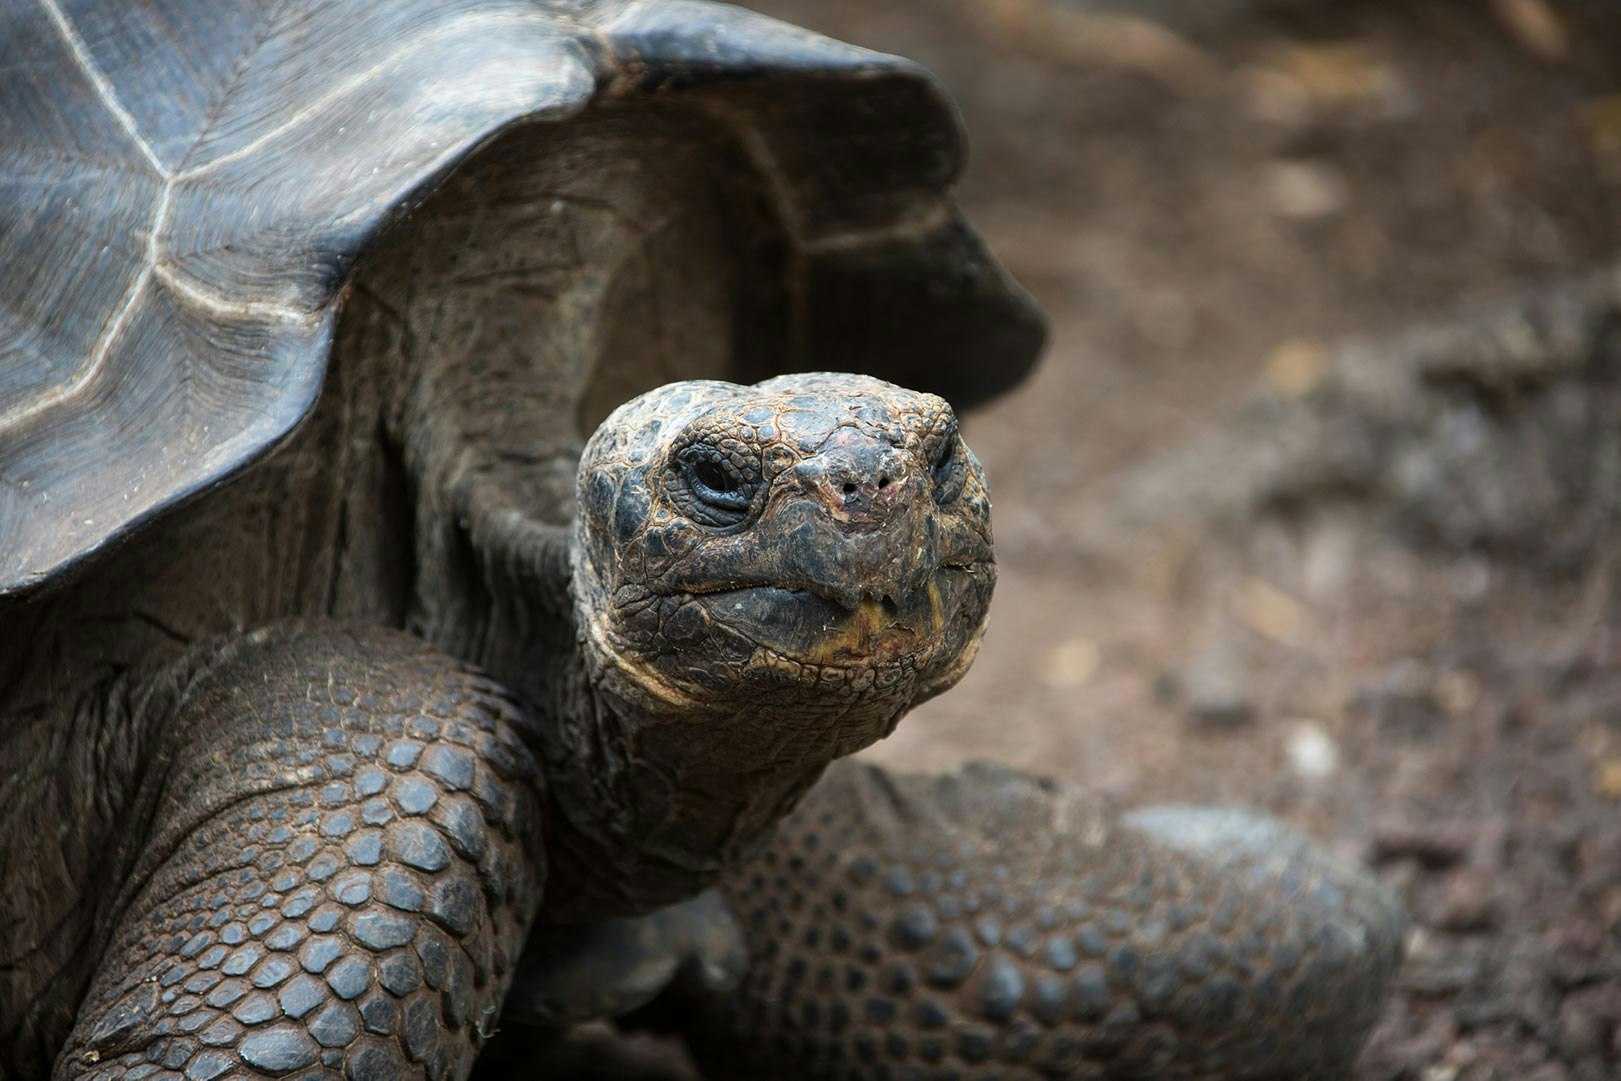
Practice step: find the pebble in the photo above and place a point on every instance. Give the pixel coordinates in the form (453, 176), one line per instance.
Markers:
(1312, 751)
(1468, 902)
(1403, 701)
(1581, 1032)
(1215, 683)
(1070, 664)
(1433, 844)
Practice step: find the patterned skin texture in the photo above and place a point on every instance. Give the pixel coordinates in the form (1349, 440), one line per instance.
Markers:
(986, 925)
(344, 855)
(315, 849)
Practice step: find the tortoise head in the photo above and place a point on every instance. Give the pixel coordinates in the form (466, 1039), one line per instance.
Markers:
(810, 556)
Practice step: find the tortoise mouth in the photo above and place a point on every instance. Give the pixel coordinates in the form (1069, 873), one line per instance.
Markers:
(812, 637)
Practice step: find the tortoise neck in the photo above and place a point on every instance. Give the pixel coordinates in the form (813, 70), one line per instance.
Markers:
(640, 819)
(652, 799)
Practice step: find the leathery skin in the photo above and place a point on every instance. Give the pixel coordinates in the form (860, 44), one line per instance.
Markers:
(342, 859)
(986, 925)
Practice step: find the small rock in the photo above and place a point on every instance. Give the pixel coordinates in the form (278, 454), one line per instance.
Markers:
(1216, 684)
(1275, 96)
(1572, 953)
(1457, 692)
(1304, 189)
(1433, 844)
(1468, 902)
(1439, 965)
(1071, 663)
(1269, 611)
(1403, 701)
(1537, 26)
(1344, 76)
(1607, 778)
(1590, 1022)
(1295, 367)
(1581, 1032)
(1312, 751)
(1609, 910)
(1428, 1044)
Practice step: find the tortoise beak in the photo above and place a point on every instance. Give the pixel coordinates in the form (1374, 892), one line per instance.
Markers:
(882, 630)
(853, 522)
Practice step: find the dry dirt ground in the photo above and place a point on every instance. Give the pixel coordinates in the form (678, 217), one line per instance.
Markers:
(1260, 539)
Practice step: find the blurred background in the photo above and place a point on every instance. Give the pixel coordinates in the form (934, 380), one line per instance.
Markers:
(1314, 502)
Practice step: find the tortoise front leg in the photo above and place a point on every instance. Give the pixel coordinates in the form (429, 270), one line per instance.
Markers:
(986, 925)
(341, 856)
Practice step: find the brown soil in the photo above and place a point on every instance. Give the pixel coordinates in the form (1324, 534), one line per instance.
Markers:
(1192, 607)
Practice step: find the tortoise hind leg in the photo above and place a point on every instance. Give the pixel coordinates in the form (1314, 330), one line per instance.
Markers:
(341, 860)
(985, 925)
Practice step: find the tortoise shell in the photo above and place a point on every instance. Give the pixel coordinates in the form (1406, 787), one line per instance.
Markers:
(187, 186)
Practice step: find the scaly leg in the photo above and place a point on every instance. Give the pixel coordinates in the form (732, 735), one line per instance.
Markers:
(341, 855)
(985, 925)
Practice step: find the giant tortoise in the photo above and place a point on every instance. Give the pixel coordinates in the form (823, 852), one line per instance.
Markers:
(334, 657)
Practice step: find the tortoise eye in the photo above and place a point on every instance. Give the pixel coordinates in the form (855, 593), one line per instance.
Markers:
(945, 466)
(944, 459)
(717, 492)
(711, 480)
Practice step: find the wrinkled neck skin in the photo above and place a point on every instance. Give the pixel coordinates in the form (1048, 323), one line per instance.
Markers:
(652, 796)
(657, 788)
(654, 791)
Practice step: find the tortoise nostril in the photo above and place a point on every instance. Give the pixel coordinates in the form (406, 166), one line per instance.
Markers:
(889, 606)
(855, 473)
